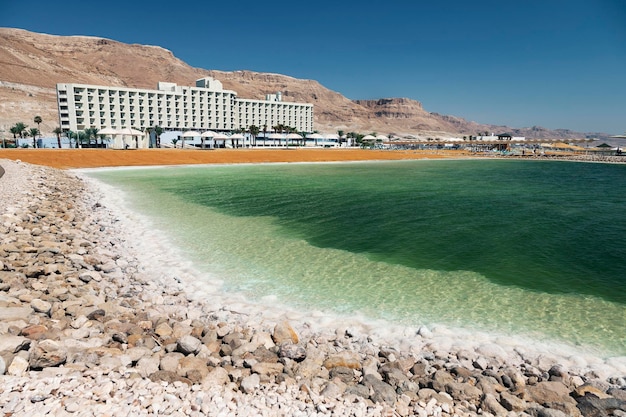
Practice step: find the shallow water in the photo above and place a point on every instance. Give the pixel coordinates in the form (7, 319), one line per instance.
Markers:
(516, 247)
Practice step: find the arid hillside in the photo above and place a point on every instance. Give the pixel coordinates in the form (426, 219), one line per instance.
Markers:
(32, 63)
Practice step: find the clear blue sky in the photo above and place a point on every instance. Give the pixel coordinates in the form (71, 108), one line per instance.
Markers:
(550, 63)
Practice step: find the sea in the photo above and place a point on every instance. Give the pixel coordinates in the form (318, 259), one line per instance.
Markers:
(530, 249)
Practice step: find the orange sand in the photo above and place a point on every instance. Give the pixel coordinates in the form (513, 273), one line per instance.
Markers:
(94, 158)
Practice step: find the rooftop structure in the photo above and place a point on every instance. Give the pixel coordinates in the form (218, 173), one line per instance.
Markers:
(207, 106)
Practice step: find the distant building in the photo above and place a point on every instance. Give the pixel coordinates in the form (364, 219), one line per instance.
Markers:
(207, 106)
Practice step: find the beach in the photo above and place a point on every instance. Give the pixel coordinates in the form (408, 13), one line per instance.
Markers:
(92, 323)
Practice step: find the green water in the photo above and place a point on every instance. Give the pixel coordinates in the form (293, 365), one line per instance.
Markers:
(515, 247)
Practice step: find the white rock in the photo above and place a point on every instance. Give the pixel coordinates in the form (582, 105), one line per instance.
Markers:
(41, 306)
(18, 366)
(250, 383)
(189, 344)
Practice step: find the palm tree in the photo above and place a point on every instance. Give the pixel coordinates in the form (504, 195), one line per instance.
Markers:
(15, 130)
(254, 131)
(57, 131)
(264, 134)
(34, 132)
(158, 131)
(37, 120)
(340, 133)
(18, 130)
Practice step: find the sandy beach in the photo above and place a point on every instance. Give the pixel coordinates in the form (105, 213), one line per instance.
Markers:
(92, 323)
(96, 158)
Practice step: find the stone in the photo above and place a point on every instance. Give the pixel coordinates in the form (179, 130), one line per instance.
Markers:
(250, 383)
(440, 379)
(549, 392)
(3, 366)
(87, 276)
(592, 406)
(41, 306)
(511, 402)
(345, 359)
(47, 353)
(463, 391)
(491, 405)
(216, 377)
(284, 333)
(293, 352)
(12, 344)
(381, 391)
(163, 330)
(191, 363)
(34, 332)
(188, 344)
(147, 365)
(345, 375)
(265, 369)
(584, 389)
(169, 362)
(169, 377)
(18, 367)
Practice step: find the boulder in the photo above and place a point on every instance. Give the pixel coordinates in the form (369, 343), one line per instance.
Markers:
(381, 392)
(41, 306)
(293, 352)
(188, 344)
(491, 405)
(47, 353)
(284, 333)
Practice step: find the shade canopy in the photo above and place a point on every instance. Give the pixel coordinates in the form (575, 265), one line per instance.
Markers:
(130, 131)
(368, 137)
(220, 136)
(314, 136)
(190, 134)
(237, 136)
(331, 136)
(294, 136)
(108, 131)
(208, 134)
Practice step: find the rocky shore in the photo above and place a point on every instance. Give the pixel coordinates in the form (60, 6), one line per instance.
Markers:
(87, 329)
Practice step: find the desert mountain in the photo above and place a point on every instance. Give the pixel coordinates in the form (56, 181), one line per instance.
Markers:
(32, 63)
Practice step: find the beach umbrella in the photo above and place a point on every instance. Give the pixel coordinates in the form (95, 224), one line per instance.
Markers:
(188, 134)
(108, 131)
(129, 131)
(314, 136)
(292, 136)
(381, 137)
(220, 136)
(236, 137)
(207, 134)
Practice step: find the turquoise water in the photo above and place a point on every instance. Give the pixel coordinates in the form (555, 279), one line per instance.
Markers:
(516, 247)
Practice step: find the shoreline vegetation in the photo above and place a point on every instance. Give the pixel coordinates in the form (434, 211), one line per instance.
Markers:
(90, 326)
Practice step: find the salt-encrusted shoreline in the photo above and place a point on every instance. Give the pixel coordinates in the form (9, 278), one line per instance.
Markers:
(90, 324)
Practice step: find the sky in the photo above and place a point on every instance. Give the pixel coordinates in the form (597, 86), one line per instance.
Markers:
(559, 64)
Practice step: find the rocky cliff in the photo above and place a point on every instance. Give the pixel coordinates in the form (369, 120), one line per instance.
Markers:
(32, 63)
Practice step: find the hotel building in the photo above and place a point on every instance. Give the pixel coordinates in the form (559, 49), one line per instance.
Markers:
(207, 106)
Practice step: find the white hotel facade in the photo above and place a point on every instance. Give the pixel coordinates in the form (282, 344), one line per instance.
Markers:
(207, 106)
